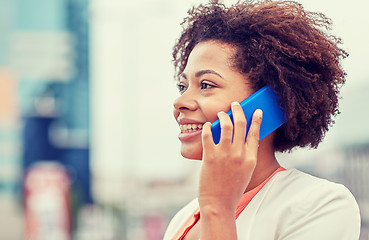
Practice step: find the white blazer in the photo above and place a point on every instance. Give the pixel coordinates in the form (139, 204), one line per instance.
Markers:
(292, 206)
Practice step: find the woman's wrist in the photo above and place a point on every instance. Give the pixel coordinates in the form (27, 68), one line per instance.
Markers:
(214, 212)
(217, 223)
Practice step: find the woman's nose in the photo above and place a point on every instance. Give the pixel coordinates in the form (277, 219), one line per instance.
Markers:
(185, 102)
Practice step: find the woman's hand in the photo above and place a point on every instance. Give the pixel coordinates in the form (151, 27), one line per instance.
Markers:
(226, 170)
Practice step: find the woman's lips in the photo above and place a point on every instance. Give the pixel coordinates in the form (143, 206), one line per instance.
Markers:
(186, 136)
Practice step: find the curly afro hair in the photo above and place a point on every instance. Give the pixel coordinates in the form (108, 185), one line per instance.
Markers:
(279, 44)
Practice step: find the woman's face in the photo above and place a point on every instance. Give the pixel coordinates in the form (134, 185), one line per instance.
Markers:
(207, 86)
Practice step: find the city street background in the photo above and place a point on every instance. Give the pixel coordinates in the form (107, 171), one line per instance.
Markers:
(88, 143)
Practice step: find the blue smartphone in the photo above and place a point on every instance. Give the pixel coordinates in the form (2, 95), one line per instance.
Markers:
(264, 99)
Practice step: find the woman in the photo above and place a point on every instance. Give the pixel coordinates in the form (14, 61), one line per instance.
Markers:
(225, 54)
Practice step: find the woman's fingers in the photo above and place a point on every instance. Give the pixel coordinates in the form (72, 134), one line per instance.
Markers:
(252, 140)
(226, 133)
(207, 137)
(240, 124)
(233, 134)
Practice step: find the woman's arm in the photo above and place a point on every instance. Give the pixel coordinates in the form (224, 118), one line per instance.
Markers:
(226, 172)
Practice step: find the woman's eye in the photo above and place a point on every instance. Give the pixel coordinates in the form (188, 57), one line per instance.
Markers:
(181, 87)
(206, 86)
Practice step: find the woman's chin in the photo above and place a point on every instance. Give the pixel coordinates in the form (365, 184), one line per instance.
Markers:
(191, 155)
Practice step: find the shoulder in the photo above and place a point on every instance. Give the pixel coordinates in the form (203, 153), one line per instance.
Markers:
(315, 205)
(303, 187)
(180, 219)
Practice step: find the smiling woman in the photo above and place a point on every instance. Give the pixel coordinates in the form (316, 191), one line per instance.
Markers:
(224, 55)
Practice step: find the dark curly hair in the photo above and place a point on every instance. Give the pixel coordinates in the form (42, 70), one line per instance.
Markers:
(279, 44)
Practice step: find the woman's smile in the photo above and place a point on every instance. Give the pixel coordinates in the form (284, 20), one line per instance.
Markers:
(186, 128)
(189, 129)
(188, 134)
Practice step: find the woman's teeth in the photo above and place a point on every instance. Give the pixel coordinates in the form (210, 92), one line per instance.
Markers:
(190, 127)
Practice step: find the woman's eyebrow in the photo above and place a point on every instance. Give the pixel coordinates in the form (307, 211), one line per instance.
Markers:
(207, 71)
(202, 72)
(183, 75)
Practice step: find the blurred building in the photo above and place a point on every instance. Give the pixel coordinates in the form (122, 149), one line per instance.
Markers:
(137, 168)
(355, 177)
(45, 106)
(10, 132)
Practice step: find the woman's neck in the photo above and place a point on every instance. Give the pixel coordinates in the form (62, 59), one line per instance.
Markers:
(266, 164)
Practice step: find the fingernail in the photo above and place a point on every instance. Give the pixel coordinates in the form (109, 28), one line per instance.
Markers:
(258, 113)
(206, 123)
(235, 103)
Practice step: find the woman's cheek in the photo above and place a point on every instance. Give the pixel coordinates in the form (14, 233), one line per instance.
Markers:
(212, 111)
